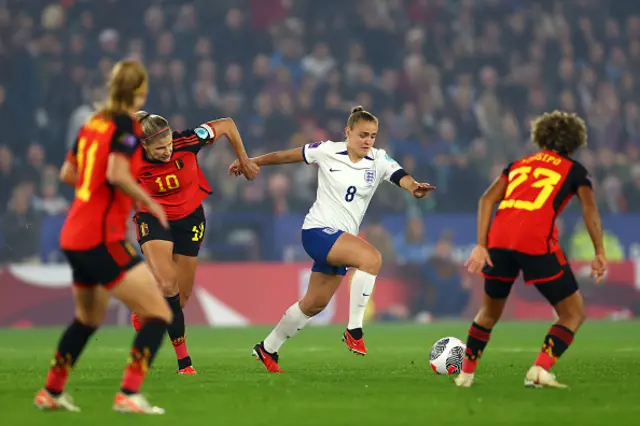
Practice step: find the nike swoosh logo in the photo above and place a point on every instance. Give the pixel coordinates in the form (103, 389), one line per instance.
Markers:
(334, 170)
(364, 294)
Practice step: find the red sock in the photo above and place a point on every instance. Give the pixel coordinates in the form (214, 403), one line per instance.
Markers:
(556, 342)
(469, 366)
(135, 373)
(180, 346)
(545, 361)
(57, 376)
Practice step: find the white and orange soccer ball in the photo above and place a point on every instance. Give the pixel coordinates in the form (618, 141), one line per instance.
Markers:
(446, 355)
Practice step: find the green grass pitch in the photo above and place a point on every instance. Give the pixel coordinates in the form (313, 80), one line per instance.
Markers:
(323, 384)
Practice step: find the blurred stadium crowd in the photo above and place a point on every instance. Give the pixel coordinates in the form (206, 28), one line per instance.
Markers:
(454, 82)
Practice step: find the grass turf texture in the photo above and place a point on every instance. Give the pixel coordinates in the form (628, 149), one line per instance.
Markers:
(323, 384)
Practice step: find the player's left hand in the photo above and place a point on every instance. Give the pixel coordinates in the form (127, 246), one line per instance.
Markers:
(598, 267)
(478, 258)
(249, 168)
(421, 189)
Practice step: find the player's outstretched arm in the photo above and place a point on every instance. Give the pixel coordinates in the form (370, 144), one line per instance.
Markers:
(415, 188)
(228, 128)
(119, 175)
(273, 158)
(592, 221)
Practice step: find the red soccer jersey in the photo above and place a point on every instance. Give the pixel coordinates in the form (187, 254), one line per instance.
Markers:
(539, 187)
(179, 185)
(99, 213)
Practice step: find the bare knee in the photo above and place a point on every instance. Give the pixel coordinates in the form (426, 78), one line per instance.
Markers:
(372, 263)
(157, 311)
(89, 318)
(168, 281)
(313, 305)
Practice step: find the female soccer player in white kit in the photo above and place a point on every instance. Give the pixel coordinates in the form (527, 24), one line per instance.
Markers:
(349, 173)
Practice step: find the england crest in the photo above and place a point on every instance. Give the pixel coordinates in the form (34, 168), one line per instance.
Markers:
(370, 176)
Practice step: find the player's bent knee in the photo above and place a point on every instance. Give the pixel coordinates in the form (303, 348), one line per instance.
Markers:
(161, 311)
(372, 263)
(89, 319)
(312, 306)
(167, 279)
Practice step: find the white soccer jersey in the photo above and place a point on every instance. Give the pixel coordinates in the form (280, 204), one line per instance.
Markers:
(345, 189)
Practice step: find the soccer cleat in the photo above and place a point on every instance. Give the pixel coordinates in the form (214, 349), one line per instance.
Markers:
(269, 360)
(135, 320)
(355, 345)
(135, 403)
(464, 380)
(45, 401)
(188, 371)
(538, 377)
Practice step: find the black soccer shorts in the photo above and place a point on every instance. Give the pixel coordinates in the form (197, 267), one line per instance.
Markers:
(550, 273)
(186, 234)
(103, 265)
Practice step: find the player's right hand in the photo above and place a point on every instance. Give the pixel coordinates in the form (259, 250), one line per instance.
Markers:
(478, 258)
(249, 168)
(598, 267)
(157, 210)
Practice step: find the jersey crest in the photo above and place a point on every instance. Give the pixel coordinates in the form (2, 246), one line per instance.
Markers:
(144, 229)
(329, 231)
(369, 176)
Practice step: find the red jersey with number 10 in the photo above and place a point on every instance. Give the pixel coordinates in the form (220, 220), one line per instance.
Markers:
(539, 187)
(179, 185)
(99, 211)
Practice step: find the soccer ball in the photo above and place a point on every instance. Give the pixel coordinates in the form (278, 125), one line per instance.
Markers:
(446, 355)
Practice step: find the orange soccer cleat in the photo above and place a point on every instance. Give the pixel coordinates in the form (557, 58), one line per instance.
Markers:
(269, 360)
(188, 371)
(136, 321)
(135, 403)
(46, 401)
(355, 345)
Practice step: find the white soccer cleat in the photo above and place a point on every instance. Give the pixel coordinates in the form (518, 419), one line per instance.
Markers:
(538, 377)
(45, 401)
(464, 380)
(135, 403)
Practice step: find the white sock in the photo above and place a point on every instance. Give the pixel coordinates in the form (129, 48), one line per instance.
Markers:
(292, 321)
(361, 288)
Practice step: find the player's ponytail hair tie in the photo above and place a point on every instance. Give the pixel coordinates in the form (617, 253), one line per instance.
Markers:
(144, 117)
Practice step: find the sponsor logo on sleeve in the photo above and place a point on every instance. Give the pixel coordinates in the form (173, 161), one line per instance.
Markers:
(129, 140)
(201, 133)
